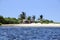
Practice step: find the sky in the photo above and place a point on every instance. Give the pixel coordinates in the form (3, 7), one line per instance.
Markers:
(50, 9)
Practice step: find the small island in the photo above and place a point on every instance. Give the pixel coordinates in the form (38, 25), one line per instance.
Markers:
(24, 20)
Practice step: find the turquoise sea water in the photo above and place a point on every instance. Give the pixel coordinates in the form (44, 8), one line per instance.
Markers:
(29, 33)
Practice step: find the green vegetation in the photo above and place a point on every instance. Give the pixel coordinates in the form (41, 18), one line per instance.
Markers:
(24, 19)
(46, 21)
(2, 20)
(0, 24)
(11, 20)
(29, 19)
(8, 20)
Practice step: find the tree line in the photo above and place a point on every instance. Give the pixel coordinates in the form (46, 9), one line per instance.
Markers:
(24, 19)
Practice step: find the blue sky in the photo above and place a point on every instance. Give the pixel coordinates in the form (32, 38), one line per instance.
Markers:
(50, 9)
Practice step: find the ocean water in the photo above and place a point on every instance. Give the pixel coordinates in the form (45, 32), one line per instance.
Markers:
(29, 33)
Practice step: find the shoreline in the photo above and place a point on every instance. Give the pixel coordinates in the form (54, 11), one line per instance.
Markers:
(33, 25)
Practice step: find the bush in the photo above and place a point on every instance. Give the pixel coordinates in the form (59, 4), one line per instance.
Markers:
(0, 23)
(36, 21)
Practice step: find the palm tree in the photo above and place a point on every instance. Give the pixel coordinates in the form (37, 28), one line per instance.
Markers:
(29, 19)
(22, 16)
(33, 18)
(41, 17)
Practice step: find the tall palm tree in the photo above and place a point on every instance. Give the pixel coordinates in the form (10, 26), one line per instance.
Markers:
(22, 16)
(41, 17)
(33, 18)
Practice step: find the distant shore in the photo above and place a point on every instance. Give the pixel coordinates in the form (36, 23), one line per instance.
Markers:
(33, 25)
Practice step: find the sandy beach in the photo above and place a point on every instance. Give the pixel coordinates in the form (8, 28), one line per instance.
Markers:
(33, 25)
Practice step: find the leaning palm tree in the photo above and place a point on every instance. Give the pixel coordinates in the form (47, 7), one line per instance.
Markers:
(22, 16)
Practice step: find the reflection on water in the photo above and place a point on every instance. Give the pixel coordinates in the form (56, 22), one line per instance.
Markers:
(38, 33)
